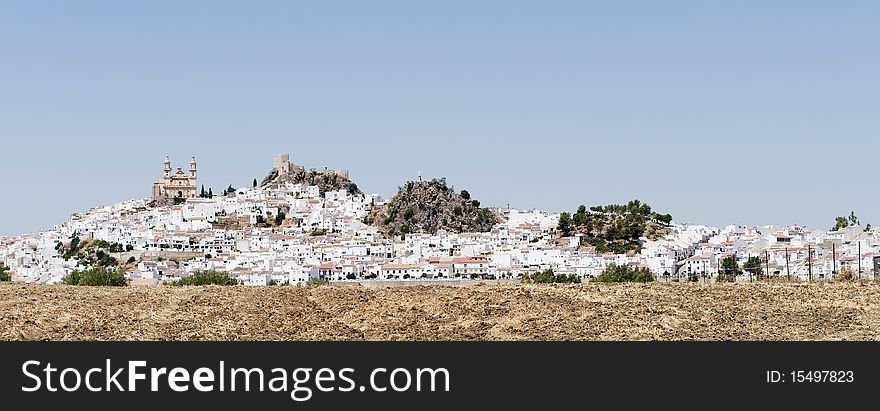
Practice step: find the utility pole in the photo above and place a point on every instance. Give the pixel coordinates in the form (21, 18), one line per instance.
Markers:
(787, 271)
(810, 260)
(860, 260)
(767, 254)
(750, 273)
(833, 259)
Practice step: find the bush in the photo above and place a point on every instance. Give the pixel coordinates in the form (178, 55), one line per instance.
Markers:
(624, 274)
(279, 219)
(548, 277)
(100, 276)
(5, 276)
(206, 278)
(845, 274)
(317, 282)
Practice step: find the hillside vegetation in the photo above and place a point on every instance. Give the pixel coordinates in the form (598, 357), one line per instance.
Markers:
(429, 206)
(614, 228)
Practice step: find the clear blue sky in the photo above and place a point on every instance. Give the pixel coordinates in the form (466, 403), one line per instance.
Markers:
(750, 112)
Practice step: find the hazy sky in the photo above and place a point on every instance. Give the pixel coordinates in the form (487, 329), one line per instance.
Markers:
(751, 112)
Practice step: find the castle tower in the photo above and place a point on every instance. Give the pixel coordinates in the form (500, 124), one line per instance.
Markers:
(192, 168)
(167, 167)
(282, 163)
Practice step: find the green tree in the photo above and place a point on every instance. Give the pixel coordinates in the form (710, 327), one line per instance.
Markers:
(206, 278)
(853, 220)
(202, 194)
(98, 276)
(663, 218)
(210, 193)
(754, 267)
(5, 275)
(465, 195)
(729, 270)
(279, 219)
(843, 222)
(255, 183)
(580, 216)
(624, 274)
(564, 224)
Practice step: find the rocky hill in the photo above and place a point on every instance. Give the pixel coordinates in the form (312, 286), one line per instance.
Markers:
(429, 206)
(325, 181)
(614, 228)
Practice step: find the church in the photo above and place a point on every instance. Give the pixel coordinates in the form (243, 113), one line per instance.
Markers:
(177, 185)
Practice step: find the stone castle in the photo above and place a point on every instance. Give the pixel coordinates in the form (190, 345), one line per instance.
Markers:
(177, 185)
(283, 166)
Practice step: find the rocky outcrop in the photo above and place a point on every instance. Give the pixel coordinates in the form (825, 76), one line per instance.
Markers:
(429, 206)
(324, 180)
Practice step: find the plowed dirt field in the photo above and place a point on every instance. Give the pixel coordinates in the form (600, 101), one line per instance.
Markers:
(672, 311)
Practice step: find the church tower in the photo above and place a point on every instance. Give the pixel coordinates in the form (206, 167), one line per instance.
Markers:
(192, 168)
(167, 167)
(176, 186)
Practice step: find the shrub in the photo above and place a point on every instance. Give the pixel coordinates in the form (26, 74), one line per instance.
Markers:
(729, 270)
(99, 276)
(207, 278)
(548, 277)
(624, 274)
(317, 282)
(845, 274)
(5, 276)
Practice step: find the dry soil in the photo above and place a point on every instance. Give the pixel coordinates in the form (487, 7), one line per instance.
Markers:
(831, 311)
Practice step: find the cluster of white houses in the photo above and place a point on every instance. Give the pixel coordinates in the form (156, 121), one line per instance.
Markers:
(323, 236)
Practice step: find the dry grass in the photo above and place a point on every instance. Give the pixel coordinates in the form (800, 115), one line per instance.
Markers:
(675, 311)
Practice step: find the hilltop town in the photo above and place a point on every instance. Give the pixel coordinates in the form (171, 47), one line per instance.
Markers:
(302, 224)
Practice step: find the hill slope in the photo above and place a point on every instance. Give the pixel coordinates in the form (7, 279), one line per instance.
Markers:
(614, 228)
(324, 181)
(429, 206)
